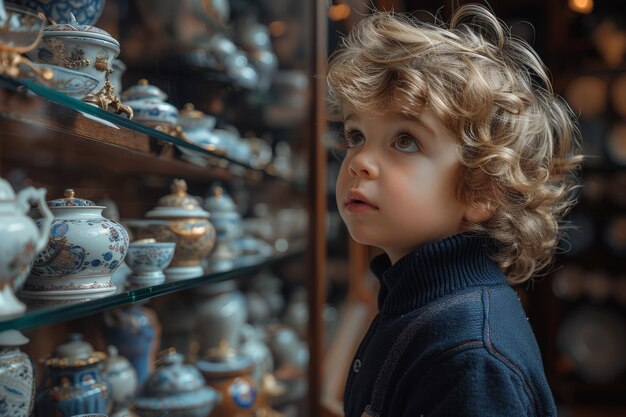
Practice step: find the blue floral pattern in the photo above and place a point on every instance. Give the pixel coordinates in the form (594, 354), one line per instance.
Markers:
(86, 12)
(63, 258)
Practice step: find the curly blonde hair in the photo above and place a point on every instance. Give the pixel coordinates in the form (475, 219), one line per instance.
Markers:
(519, 143)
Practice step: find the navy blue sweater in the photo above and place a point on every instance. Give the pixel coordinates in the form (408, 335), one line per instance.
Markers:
(451, 339)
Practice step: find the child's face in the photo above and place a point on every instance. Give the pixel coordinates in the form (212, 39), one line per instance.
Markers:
(396, 187)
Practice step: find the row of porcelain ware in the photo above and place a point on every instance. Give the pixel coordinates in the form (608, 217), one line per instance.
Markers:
(79, 380)
(151, 108)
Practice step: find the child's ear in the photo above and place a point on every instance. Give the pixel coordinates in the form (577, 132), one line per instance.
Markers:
(478, 213)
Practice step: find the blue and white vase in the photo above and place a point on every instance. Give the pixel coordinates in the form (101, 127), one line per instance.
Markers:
(73, 383)
(87, 12)
(17, 378)
(83, 251)
(135, 331)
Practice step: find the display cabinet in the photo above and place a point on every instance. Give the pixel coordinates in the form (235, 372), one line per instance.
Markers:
(52, 140)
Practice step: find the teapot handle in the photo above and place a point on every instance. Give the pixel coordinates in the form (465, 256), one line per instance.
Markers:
(38, 195)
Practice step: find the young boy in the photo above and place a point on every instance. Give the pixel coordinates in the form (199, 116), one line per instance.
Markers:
(460, 162)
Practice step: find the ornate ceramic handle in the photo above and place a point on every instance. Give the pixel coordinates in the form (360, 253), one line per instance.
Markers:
(39, 196)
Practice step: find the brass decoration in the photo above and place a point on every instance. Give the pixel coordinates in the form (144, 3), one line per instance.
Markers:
(107, 100)
(54, 53)
(176, 131)
(101, 63)
(20, 42)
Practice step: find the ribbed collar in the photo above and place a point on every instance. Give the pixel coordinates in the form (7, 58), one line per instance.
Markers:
(434, 270)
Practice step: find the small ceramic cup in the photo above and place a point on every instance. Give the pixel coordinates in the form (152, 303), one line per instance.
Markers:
(147, 258)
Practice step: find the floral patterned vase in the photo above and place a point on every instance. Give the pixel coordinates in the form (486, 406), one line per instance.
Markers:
(83, 251)
(17, 379)
(135, 331)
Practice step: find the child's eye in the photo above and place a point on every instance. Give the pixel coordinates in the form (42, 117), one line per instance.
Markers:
(353, 138)
(406, 143)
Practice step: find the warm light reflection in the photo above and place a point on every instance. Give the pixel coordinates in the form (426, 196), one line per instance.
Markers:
(339, 12)
(581, 6)
(277, 28)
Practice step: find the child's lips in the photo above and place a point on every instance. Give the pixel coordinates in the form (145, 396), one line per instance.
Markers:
(357, 202)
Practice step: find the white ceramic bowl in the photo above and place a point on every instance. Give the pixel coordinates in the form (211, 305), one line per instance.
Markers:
(148, 260)
(72, 83)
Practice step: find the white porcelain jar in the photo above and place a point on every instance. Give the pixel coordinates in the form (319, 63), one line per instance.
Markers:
(122, 377)
(83, 251)
(21, 241)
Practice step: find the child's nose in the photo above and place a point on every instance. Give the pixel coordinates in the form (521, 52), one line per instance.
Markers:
(364, 165)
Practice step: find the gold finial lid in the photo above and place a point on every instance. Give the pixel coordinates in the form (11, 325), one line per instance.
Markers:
(189, 111)
(178, 204)
(220, 201)
(224, 359)
(143, 90)
(75, 352)
(71, 200)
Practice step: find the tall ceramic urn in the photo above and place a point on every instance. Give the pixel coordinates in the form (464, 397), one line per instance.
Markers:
(186, 224)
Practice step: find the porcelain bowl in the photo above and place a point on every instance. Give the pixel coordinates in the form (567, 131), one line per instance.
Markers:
(72, 83)
(149, 258)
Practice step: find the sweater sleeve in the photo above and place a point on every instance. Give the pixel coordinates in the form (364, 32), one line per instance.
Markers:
(468, 383)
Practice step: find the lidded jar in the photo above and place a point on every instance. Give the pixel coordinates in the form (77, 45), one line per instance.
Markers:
(224, 214)
(149, 105)
(175, 389)
(122, 377)
(231, 374)
(83, 252)
(74, 384)
(199, 129)
(82, 48)
(21, 241)
(17, 377)
(188, 226)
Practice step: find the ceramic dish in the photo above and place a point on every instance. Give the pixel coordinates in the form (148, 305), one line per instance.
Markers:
(66, 81)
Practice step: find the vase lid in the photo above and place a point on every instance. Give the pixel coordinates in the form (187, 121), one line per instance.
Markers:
(172, 376)
(143, 89)
(73, 28)
(71, 201)
(191, 117)
(75, 352)
(6, 191)
(224, 359)
(178, 204)
(11, 338)
(219, 200)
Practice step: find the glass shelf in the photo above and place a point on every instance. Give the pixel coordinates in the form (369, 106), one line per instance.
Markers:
(117, 120)
(44, 316)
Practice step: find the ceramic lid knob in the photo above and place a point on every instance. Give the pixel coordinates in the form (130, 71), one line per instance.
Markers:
(178, 204)
(71, 200)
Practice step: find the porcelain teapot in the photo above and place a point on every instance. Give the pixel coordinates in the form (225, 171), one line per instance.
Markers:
(21, 241)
